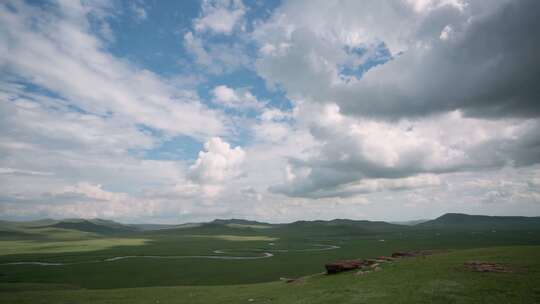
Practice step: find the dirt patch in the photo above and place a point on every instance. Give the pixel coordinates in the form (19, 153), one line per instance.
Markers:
(412, 254)
(364, 265)
(480, 266)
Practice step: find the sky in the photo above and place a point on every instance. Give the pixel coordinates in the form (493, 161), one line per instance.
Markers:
(187, 111)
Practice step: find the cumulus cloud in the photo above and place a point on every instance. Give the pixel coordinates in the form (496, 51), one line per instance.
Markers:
(351, 150)
(218, 163)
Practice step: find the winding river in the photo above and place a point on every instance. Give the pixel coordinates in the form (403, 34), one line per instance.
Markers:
(262, 254)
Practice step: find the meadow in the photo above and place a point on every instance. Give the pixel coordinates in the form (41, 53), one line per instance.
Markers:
(235, 262)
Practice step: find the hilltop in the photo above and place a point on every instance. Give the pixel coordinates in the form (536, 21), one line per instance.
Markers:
(482, 222)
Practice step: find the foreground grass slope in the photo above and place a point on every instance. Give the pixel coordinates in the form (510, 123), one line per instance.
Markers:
(435, 279)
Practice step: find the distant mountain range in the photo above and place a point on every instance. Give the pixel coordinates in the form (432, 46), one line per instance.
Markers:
(452, 221)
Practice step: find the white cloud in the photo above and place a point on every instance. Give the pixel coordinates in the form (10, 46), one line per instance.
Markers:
(351, 151)
(218, 163)
(271, 131)
(275, 115)
(426, 74)
(98, 115)
(220, 16)
(94, 192)
(446, 33)
(12, 171)
(94, 80)
(216, 58)
(273, 126)
(232, 98)
(194, 45)
(81, 200)
(421, 6)
(355, 144)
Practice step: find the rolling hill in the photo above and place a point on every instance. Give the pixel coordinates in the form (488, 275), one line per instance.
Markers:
(482, 222)
(98, 226)
(449, 221)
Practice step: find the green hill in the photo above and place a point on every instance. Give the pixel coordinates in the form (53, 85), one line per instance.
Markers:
(482, 222)
(98, 226)
(238, 222)
(337, 227)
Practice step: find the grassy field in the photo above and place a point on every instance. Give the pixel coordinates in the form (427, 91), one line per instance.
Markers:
(435, 279)
(183, 273)
(30, 246)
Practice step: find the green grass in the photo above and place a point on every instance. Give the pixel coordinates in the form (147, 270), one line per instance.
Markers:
(238, 238)
(435, 279)
(172, 272)
(11, 247)
(45, 233)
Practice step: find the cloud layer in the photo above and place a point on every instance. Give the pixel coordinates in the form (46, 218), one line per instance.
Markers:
(297, 110)
(475, 57)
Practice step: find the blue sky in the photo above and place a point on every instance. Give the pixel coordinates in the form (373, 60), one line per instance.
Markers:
(175, 111)
(147, 40)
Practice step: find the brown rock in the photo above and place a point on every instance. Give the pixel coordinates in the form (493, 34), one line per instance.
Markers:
(340, 266)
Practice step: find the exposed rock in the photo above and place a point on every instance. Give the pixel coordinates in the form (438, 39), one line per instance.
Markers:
(340, 266)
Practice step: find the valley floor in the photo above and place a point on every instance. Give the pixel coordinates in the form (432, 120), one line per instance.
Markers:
(440, 278)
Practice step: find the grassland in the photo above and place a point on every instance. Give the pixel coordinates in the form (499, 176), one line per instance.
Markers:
(182, 277)
(435, 279)
(238, 238)
(31, 246)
